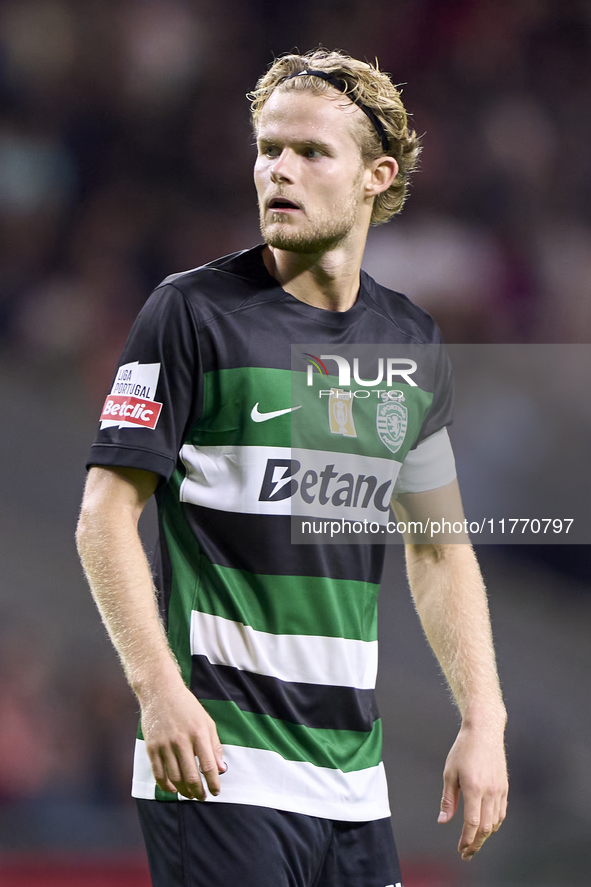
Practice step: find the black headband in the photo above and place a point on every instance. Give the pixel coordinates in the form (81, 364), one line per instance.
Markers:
(342, 86)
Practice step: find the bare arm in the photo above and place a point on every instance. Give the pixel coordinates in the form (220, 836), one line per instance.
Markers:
(176, 727)
(450, 599)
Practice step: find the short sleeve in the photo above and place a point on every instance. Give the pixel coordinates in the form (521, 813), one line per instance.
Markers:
(430, 463)
(440, 414)
(156, 392)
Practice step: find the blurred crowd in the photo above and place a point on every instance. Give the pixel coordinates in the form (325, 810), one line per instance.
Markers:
(62, 733)
(125, 155)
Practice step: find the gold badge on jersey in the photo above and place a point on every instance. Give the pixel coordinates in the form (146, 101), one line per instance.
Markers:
(340, 413)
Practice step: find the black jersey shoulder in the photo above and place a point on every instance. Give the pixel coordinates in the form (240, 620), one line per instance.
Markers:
(226, 285)
(399, 311)
(240, 281)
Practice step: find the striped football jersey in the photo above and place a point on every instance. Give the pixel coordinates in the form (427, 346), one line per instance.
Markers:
(257, 411)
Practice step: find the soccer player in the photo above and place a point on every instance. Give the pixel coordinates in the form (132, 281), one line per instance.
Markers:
(258, 759)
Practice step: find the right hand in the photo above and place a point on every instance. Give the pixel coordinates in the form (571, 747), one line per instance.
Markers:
(476, 767)
(177, 731)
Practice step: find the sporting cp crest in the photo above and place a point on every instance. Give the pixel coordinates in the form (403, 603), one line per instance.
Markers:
(392, 420)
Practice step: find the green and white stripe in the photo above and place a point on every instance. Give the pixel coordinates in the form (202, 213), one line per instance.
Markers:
(264, 778)
(230, 478)
(289, 657)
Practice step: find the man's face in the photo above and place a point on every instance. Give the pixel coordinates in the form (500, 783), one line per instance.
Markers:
(309, 173)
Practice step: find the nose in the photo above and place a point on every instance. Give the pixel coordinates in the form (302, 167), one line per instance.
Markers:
(281, 169)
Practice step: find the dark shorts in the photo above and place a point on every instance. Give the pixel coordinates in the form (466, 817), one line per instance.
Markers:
(192, 844)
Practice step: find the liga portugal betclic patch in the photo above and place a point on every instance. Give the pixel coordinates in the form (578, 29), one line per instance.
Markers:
(131, 402)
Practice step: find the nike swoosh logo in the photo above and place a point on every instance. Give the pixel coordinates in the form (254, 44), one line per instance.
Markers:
(262, 417)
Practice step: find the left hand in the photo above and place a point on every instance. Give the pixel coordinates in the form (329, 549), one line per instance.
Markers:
(477, 767)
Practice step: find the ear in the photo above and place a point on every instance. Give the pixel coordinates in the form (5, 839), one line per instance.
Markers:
(383, 172)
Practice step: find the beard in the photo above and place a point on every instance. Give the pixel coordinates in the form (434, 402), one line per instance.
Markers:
(316, 235)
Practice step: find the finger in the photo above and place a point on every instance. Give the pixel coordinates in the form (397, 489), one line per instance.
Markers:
(210, 769)
(498, 814)
(177, 770)
(496, 820)
(472, 805)
(190, 782)
(450, 797)
(502, 810)
(160, 774)
(174, 770)
(219, 753)
(484, 830)
(207, 750)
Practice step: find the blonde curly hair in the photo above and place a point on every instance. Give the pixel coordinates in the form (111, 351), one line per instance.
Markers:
(367, 85)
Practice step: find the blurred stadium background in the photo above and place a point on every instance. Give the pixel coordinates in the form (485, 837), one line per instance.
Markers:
(125, 154)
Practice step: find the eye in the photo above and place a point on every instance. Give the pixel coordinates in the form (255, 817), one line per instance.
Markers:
(270, 150)
(312, 153)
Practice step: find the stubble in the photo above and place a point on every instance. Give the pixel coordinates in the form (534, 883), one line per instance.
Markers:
(320, 233)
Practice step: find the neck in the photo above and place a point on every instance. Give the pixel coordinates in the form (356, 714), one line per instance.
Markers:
(329, 280)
